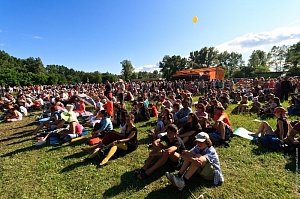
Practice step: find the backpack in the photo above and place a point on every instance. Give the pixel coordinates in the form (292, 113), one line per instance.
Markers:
(271, 142)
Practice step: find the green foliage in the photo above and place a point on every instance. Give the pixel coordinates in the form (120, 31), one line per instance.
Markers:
(127, 69)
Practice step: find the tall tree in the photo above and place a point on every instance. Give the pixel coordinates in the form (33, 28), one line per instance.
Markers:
(258, 58)
(170, 65)
(127, 69)
(293, 60)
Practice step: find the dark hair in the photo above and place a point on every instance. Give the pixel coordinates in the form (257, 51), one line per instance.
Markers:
(208, 142)
(173, 128)
(194, 119)
(202, 105)
(130, 115)
(104, 112)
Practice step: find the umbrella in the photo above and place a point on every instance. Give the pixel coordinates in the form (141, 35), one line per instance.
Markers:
(88, 100)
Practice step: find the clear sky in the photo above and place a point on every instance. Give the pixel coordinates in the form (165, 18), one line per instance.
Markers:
(96, 35)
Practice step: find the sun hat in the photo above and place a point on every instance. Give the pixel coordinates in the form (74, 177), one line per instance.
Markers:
(69, 116)
(201, 137)
(279, 110)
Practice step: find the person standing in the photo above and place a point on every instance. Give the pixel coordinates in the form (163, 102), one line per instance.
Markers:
(121, 90)
(285, 87)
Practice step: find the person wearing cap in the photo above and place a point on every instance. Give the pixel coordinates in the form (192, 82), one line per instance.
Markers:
(282, 126)
(180, 117)
(201, 159)
(162, 153)
(255, 106)
(75, 128)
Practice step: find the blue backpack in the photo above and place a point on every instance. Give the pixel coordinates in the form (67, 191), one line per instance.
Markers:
(271, 142)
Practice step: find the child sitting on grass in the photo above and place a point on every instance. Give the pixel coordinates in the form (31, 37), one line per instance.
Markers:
(202, 159)
(163, 153)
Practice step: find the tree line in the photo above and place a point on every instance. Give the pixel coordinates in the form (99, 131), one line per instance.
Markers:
(31, 71)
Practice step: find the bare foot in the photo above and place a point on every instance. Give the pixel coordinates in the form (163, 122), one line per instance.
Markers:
(253, 135)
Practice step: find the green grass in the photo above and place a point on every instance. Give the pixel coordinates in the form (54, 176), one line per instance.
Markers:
(27, 171)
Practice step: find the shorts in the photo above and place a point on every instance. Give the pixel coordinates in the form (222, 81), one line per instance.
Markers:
(228, 133)
(207, 172)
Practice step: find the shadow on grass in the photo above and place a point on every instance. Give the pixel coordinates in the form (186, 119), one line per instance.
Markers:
(79, 154)
(82, 163)
(171, 191)
(27, 125)
(129, 183)
(18, 142)
(21, 135)
(85, 162)
(29, 148)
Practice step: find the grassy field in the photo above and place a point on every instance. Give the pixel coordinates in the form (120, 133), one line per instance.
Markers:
(27, 171)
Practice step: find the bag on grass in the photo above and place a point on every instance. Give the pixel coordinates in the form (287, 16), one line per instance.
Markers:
(271, 142)
(94, 140)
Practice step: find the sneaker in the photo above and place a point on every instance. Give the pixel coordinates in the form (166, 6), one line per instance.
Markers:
(179, 183)
(170, 177)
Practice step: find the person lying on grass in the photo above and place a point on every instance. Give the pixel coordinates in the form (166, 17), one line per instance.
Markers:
(162, 153)
(13, 114)
(202, 159)
(127, 141)
(282, 125)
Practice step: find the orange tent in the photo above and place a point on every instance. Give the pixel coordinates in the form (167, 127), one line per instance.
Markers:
(200, 73)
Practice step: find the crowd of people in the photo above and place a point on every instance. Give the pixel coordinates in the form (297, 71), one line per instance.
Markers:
(186, 131)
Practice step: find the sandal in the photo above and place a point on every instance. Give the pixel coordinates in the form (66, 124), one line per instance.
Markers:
(142, 176)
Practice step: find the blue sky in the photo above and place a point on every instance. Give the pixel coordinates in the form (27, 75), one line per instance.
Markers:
(96, 35)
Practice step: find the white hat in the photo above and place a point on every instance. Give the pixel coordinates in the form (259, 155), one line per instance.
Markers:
(201, 137)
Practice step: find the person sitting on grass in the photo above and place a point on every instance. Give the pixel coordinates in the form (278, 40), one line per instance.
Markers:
(81, 108)
(190, 129)
(291, 137)
(126, 140)
(75, 128)
(202, 159)
(163, 122)
(55, 121)
(105, 124)
(220, 132)
(163, 153)
(282, 125)
(255, 106)
(180, 118)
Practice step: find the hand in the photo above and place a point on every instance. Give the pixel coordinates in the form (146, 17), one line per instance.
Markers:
(115, 142)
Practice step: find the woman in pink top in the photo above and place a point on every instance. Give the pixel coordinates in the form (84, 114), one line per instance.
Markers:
(81, 108)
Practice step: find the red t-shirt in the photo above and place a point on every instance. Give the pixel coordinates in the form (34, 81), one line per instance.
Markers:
(225, 120)
(109, 107)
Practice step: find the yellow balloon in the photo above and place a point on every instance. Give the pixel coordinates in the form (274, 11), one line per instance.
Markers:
(195, 19)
